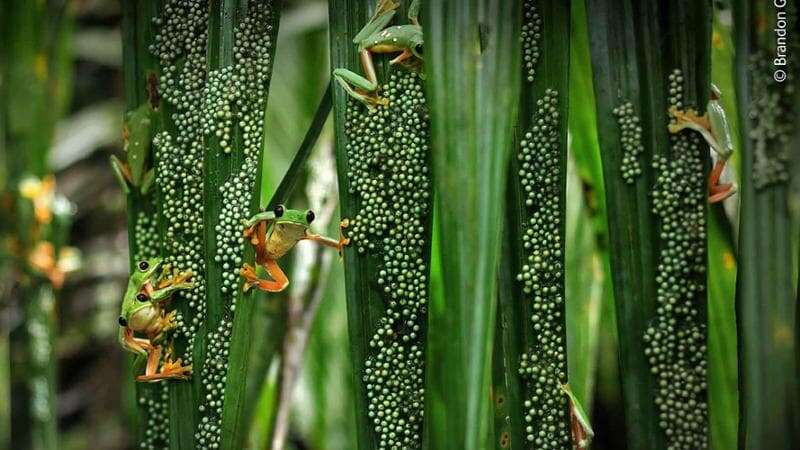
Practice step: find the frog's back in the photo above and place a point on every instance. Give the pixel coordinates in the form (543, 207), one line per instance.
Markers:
(395, 38)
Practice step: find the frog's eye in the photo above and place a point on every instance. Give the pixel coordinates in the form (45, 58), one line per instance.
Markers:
(310, 216)
(278, 210)
(144, 265)
(122, 321)
(142, 297)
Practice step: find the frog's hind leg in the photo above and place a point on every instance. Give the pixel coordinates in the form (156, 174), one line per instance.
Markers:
(153, 357)
(719, 192)
(359, 87)
(278, 283)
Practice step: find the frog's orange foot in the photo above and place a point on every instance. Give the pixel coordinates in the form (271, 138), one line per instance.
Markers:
(170, 320)
(686, 119)
(182, 278)
(170, 370)
(343, 241)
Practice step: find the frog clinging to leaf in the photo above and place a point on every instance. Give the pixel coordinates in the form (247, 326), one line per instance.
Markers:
(273, 234)
(144, 322)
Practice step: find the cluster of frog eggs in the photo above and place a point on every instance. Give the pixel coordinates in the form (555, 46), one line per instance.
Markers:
(544, 367)
(772, 124)
(182, 37)
(215, 369)
(155, 400)
(530, 36)
(676, 339)
(146, 233)
(631, 141)
(388, 158)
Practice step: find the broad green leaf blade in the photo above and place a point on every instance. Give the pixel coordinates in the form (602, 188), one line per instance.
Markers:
(254, 29)
(635, 47)
(473, 83)
(765, 299)
(364, 307)
(215, 63)
(536, 230)
(383, 164)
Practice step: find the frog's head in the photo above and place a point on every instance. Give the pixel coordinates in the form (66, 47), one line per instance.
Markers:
(145, 269)
(296, 217)
(135, 299)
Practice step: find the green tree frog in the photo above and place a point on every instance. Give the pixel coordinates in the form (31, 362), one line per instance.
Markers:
(713, 126)
(143, 313)
(375, 37)
(582, 433)
(137, 134)
(273, 234)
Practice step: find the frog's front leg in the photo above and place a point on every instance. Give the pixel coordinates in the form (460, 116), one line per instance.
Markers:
(122, 173)
(257, 234)
(339, 245)
(278, 283)
(166, 288)
(689, 119)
